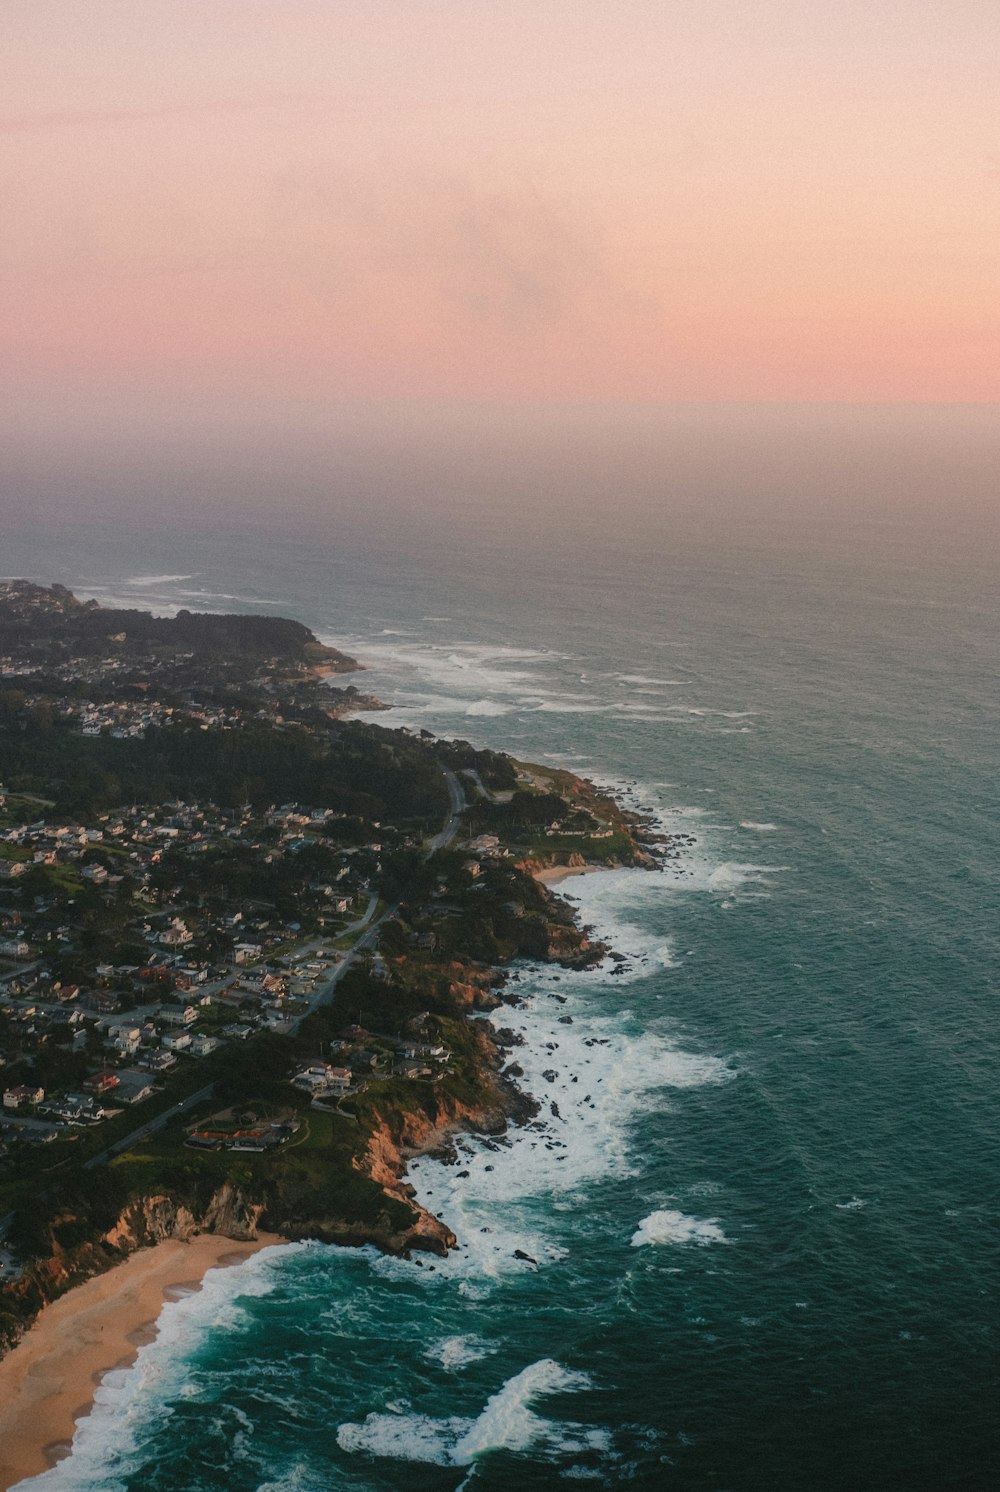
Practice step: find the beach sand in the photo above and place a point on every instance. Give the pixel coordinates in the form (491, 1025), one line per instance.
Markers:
(557, 873)
(48, 1381)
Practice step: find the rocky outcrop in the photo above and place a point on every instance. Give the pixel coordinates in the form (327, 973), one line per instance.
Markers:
(472, 988)
(398, 1136)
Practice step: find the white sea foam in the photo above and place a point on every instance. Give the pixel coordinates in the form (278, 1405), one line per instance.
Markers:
(138, 582)
(594, 1072)
(731, 875)
(593, 1080)
(238, 596)
(483, 670)
(114, 600)
(454, 1353)
(566, 705)
(507, 1422)
(168, 601)
(758, 828)
(489, 707)
(298, 1479)
(676, 1227)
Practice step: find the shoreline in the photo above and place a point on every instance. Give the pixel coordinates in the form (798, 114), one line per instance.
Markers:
(49, 1380)
(555, 874)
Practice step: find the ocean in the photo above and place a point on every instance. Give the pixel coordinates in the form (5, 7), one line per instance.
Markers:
(761, 1195)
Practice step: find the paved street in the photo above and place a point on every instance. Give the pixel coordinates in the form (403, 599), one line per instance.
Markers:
(151, 1127)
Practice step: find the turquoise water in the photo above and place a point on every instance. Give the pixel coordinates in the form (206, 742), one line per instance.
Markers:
(764, 1218)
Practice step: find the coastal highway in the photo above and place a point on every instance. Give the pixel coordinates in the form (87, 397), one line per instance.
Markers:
(324, 994)
(369, 940)
(150, 1127)
(456, 798)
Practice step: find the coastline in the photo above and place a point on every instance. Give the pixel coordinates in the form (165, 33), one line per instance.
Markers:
(555, 874)
(48, 1381)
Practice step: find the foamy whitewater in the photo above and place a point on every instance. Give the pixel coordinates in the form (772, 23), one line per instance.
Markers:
(750, 1239)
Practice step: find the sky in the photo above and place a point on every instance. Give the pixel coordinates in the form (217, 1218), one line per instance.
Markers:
(283, 203)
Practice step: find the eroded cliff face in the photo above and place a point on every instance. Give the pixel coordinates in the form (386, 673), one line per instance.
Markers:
(143, 1222)
(152, 1219)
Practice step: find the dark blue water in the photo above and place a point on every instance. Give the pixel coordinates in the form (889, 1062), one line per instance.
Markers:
(768, 1242)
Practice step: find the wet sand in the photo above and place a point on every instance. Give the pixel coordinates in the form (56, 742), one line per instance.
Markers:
(49, 1380)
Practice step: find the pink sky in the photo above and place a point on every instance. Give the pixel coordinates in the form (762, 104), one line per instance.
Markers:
(593, 200)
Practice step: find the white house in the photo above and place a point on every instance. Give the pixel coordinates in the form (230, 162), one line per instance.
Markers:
(174, 1017)
(22, 1097)
(125, 1039)
(177, 935)
(203, 1046)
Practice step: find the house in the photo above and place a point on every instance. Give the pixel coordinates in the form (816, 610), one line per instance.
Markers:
(177, 934)
(134, 1088)
(125, 1039)
(158, 1061)
(82, 1106)
(13, 948)
(102, 1082)
(238, 1033)
(95, 874)
(176, 1041)
(175, 1017)
(321, 1077)
(412, 1069)
(203, 1046)
(186, 979)
(244, 953)
(9, 869)
(102, 1002)
(22, 1096)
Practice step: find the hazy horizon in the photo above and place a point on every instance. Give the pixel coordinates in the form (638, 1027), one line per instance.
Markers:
(406, 463)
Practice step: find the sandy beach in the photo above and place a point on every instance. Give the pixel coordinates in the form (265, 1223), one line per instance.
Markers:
(48, 1382)
(557, 873)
